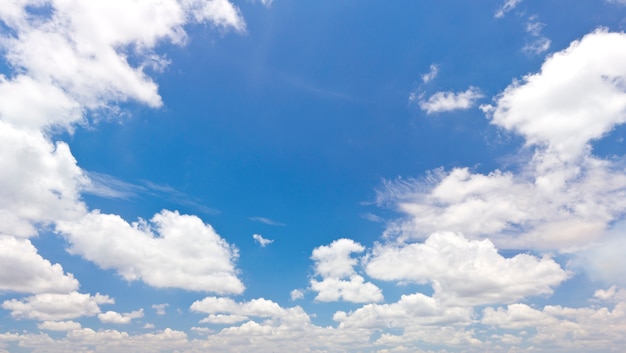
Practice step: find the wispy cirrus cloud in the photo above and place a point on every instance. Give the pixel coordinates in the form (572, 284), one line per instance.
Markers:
(507, 6)
(267, 221)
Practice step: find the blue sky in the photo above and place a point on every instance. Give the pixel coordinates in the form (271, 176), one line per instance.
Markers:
(327, 176)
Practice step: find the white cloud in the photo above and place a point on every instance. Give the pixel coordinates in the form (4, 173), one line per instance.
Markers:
(334, 264)
(69, 60)
(223, 319)
(578, 96)
(112, 317)
(113, 341)
(430, 75)
(449, 101)
(516, 316)
(561, 196)
(43, 185)
(23, 270)
(160, 308)
(173, 250)
(262, 241)
(507, 6)
(610, 295)
(296, 294)
(537, 46)
(334, 260)
(59, 325)
(55, 307)
(465, 272)
(31, 103)
(419, 319)
(228, 311)
(603, 260)
(202, 330)
(267, 221)
(539, 43)
(411, 310)
(354, 290)
(76, 56)
(580, 329)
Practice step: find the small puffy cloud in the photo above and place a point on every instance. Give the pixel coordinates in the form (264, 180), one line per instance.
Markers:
(612, 294)
(430, 75)
(262, 241)
(450, 101)
(296, 294)
(173, 250)
(55, 307)
(59, 325)
(334, 260)
(202, 330)
(112, 317)
(335, 265)
(465, 272)
(160, 308)
(23, 270)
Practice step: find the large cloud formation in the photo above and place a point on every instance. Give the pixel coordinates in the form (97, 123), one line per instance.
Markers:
(73, 60)
(562, 196)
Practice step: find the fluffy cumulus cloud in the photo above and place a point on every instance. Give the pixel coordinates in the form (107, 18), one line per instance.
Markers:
(578, 96)
(25, 271)
(112, 317)
(576, 328)
(171, 250)
(228, 311)
(411, 310)
(55, 307)
(465, 271)
(561, 196)
(43, 185)
(340, 281)
(449, 101)
(75, 56)
(59, 326)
